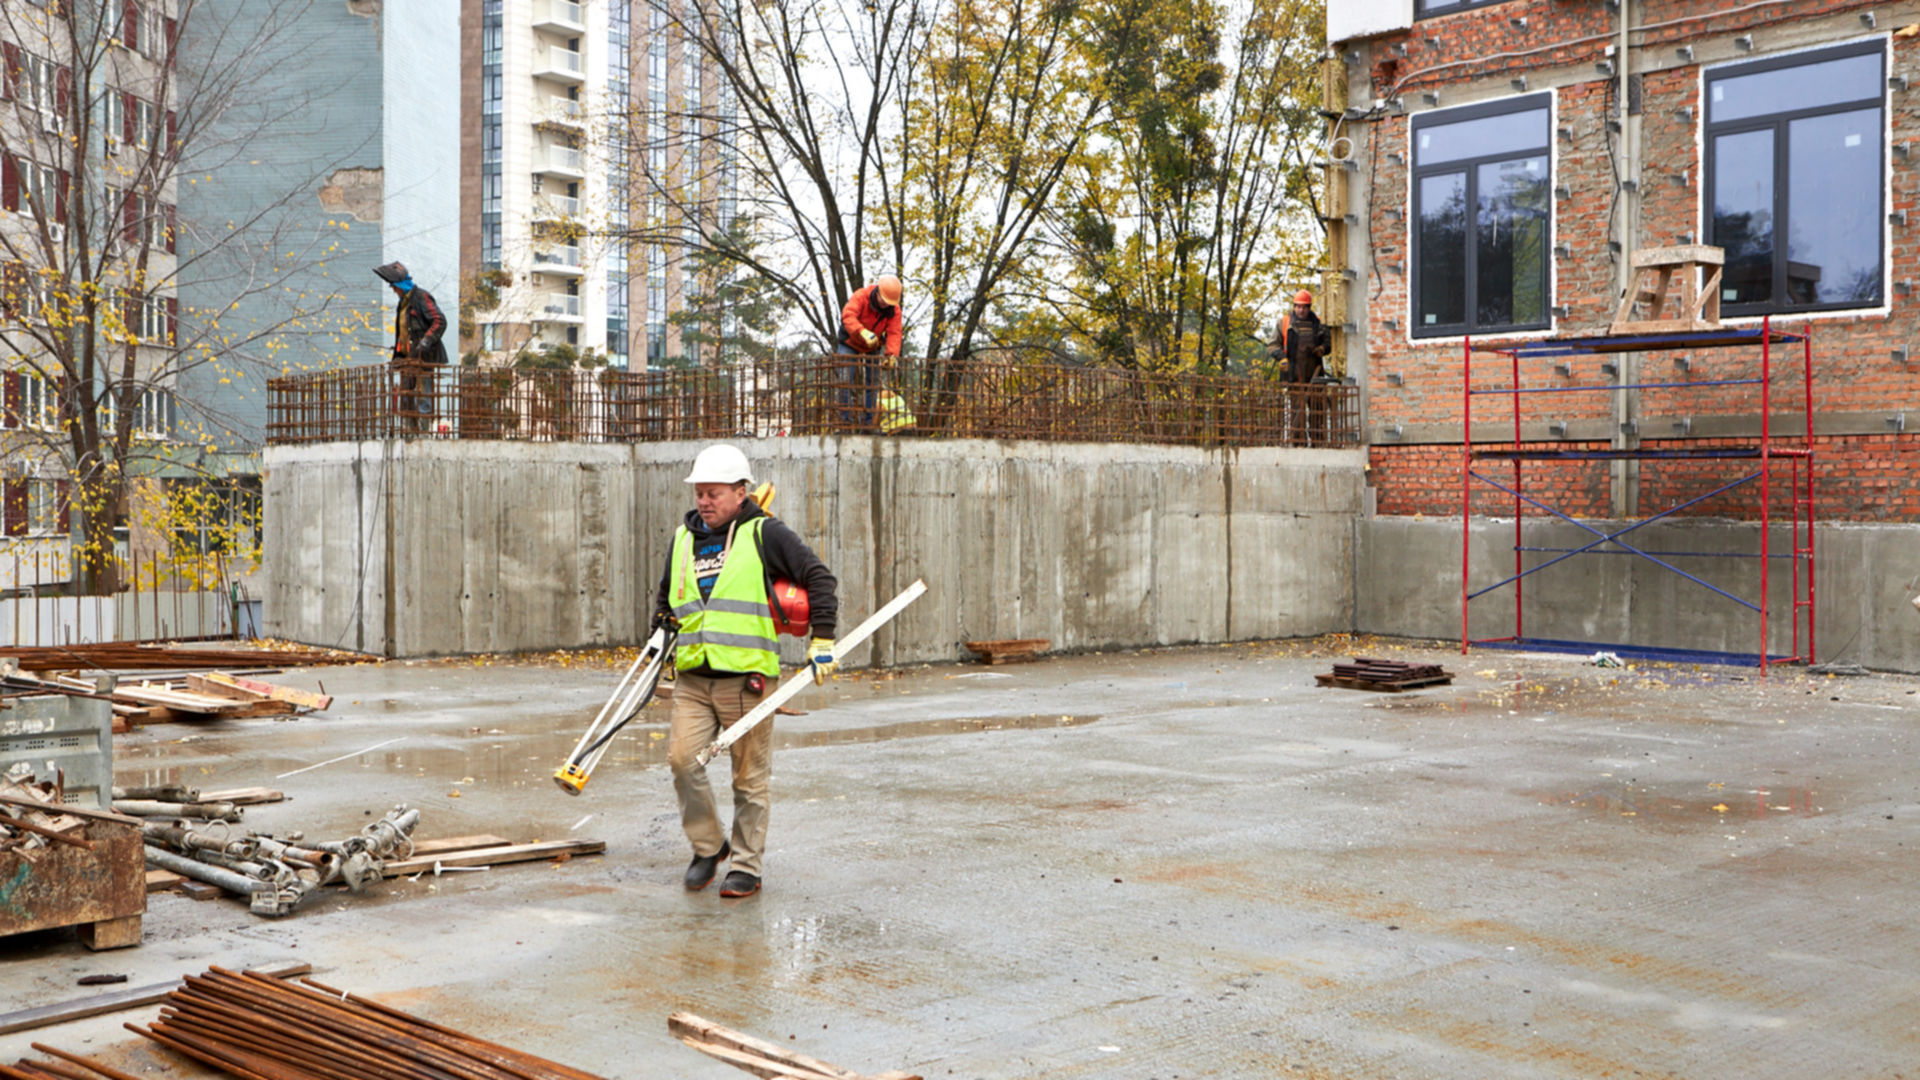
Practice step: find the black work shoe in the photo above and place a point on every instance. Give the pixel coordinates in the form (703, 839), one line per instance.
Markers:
(739, 883)
(700, 870)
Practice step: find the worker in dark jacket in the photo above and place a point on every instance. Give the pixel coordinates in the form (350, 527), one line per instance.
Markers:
(716, 588)
(417, 328)
(1298, 353)
(1300, 344)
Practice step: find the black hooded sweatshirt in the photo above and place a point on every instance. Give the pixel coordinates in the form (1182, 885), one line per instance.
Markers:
(782, 552)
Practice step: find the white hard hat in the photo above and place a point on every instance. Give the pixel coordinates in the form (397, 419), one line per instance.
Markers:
(721, 464)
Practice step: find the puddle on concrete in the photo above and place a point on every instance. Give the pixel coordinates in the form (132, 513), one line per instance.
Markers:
(513, 757)
(1630, 803)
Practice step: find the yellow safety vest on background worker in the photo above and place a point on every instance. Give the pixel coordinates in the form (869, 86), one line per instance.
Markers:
(732, 629)
(894, 416)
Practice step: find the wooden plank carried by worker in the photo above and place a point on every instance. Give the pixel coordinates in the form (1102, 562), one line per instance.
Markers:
(1679, 269)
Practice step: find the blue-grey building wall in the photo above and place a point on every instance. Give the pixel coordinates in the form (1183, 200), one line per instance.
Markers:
(336, 154)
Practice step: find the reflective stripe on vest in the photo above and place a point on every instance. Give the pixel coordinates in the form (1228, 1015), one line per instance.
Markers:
(732, 629)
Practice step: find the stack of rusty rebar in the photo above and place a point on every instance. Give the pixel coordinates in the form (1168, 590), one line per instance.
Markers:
(127, 656)
(254, 1026)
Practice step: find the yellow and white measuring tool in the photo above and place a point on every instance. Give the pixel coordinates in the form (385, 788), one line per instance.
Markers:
(635, 690)
(800, 679)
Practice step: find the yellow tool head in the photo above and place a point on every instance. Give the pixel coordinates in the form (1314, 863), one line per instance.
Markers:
(571, 778)
(764, 496)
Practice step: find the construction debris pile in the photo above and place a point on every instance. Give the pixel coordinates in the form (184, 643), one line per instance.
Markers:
(33, 819)
(155, 699)
(276, 874)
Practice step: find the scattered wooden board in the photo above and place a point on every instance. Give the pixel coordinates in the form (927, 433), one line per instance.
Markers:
(496, 856)
(459, 843)
(200, 890)
(134, 997)
(306, 699)
(162, 880)
(1010, 650)
(760, 1057)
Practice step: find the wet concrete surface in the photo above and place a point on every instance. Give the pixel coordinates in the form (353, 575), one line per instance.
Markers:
(1180, 863)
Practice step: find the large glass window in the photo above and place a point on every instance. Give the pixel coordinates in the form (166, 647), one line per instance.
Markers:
(1482, 218)
(1795, 164)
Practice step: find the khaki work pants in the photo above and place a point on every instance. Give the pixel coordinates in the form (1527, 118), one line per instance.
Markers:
(702, 709)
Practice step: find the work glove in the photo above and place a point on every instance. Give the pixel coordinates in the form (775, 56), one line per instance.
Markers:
(820, 657)
(869, 340)
(663, 618)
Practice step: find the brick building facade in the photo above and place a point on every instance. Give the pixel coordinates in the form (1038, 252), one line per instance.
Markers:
(1503, 156)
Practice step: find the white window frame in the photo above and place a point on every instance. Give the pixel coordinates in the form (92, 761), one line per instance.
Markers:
(113, 121)
(37, 409)
(145, 115)
(153, 414)
(39, 84)
(43, 507)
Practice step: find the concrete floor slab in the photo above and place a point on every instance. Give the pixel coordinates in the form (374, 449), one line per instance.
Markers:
(1180, 863)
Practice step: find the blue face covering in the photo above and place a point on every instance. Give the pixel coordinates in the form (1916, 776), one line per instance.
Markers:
(405, 284)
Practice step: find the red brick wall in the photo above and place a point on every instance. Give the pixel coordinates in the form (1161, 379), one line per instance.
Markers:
(1860, 477)
(1856, 478)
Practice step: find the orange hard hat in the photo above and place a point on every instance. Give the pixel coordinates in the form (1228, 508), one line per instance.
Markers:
(1303, 297)
(791, 612)
(888, 289)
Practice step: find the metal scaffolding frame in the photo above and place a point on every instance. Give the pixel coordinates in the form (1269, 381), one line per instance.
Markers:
(1763, 450)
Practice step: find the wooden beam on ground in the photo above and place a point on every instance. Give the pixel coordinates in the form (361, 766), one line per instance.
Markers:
(152, 994)
(496, 856)
(306, 699)
(162, 880)
(459, 843)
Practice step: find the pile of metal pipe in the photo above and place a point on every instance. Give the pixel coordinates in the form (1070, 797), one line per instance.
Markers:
(276, 874)
(255, 1026)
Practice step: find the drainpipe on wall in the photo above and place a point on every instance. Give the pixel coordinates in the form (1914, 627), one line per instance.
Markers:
(1626, 404)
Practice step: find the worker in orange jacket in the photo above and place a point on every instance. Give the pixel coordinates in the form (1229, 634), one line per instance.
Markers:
(870, 326)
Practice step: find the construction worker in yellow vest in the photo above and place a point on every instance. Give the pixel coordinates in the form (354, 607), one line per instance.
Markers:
(716, 588)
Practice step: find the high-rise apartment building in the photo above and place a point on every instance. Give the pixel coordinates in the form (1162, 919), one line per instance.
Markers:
(574, 117)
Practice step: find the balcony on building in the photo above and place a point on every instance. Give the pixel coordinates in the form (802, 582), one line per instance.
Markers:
(559, 17)
(561, 114)
(559, 65)
(561, 161)
(552, 209)
(560, 259)
(560, 308)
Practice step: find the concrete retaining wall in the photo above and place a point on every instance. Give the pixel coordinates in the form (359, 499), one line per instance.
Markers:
(1408, 583)
(425, 548)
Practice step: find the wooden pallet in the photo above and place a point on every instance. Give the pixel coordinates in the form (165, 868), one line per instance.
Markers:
(1393, 686)
(1010, 650)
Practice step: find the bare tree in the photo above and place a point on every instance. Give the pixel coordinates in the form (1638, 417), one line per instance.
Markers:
(793, 127)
